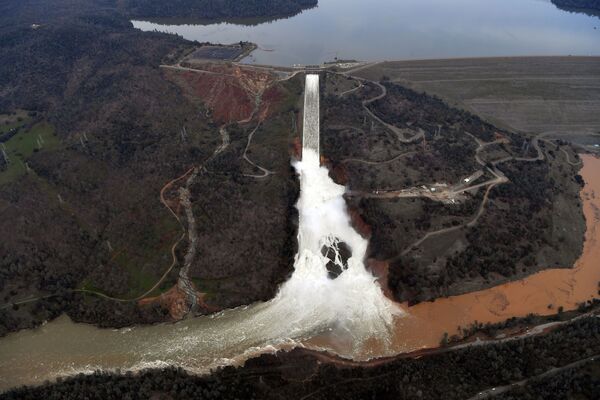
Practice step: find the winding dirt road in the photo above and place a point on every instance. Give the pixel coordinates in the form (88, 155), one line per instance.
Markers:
(265, 172)
(499, 177)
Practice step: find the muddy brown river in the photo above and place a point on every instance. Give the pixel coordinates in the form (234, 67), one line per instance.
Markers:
(62, 347)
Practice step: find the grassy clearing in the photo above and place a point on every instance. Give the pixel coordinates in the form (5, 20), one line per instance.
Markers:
(293, 99)
(11, 121)
(23, 145)
(89, 285)
(141, 258)
(145, 267)
(212, 287)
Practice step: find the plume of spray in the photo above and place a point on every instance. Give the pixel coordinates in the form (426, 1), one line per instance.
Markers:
(353, 304)
(351, 307)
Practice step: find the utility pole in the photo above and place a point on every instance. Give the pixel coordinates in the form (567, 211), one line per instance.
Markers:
(5, 155)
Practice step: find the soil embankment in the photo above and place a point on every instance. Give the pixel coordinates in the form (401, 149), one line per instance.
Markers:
(230, 93)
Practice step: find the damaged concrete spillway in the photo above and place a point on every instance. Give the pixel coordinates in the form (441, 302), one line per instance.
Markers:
(352, 305)
(310, 127)
(349, 306)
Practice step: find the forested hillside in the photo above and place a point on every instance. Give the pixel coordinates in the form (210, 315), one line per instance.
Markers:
(214, 8)
(94, 132)
(583, 4)
(478, 238)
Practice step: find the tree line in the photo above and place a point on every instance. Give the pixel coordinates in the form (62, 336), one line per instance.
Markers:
(448, 375)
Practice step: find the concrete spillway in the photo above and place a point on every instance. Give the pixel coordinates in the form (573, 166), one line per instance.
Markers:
(310, 133)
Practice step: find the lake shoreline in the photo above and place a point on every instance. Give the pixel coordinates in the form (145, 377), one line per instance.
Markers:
(417, 30)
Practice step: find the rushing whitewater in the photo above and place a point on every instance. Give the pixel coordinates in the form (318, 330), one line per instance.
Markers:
(354, 302)
(350, 307)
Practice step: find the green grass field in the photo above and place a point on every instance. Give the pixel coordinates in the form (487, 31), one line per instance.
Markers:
(10, 121)
(20, 147)
(145, 265)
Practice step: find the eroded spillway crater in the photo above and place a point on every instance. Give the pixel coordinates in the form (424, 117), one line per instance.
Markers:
(337, 253)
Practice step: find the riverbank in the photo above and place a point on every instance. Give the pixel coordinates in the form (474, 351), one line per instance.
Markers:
(543, 293)
(465, 373)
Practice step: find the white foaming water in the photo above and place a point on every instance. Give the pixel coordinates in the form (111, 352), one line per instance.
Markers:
(352, 306)
(353, 302)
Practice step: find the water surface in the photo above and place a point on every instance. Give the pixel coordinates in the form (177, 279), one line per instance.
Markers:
(404, 29)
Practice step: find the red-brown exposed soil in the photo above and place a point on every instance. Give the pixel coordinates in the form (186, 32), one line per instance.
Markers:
(297, 150)
(175, 301)
(271, 95)
(380, 270)
(340, 174)
(359, 224)
(232, 93)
